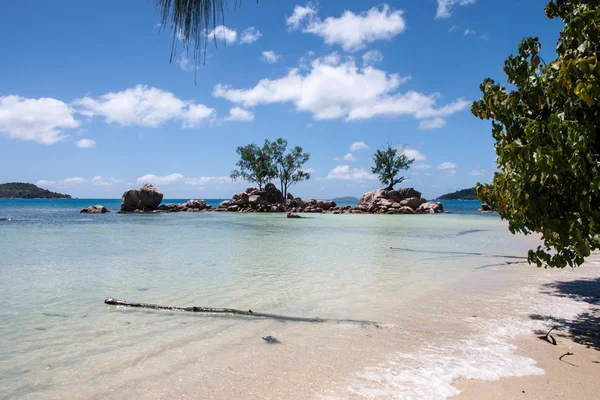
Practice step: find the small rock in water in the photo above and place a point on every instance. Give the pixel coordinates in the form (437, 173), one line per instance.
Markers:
(5, 219)
(143, 289)
(54, 315)
(271, 340)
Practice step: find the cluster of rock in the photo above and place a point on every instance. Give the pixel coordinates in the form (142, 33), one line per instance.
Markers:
(147, 198)
(189, 206)
(94, 210)
(401, 201)
(485, 209)
(270, 199)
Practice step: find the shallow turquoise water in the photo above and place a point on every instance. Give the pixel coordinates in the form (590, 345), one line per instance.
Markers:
(57, 338)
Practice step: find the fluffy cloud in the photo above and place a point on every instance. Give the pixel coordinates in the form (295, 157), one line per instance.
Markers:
(352, 31)
(270, 57)
(447, 168)
(102, 181)
(345, 173)
(372, 57)
(239, 114)
(309, 170)
(301, 14)
(477, 172)
(414, 154)
(250, 35)
(445, 7)
(347, 157)
(431, 124)
(333, 89)
(40, 120)
(160, 180)
(469, 32)
(185, 64)
(356, 146)
(203, 180)
(144, 106)
(421, 166)
(196, 114)
(62, 183)
(85, 143)
(221, 32)
(179, 178)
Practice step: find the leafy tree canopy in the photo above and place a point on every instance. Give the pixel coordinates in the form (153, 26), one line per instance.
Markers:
(389, 162)
(289, 165)
(546, 139)
(256, 164)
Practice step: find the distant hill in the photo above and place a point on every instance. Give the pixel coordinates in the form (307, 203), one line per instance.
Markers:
(20, 190)
(346, 199)
(465, 194)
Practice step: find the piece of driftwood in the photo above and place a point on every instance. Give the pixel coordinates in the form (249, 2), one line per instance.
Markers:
(232, 311)
(548, 337)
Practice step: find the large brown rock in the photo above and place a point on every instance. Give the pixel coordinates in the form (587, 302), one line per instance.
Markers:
(150, 197)
(432, 207)
(130, 200)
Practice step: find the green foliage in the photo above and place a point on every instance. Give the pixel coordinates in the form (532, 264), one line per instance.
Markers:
(263, 164)
(289, 166)
(21, 190)
(389, 162)
(256, 164)
(546, 142)
(464, 194)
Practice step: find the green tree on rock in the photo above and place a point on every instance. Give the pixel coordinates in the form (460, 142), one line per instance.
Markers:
(546, 133)
(256, 164)
(389, 163)
(289, 166)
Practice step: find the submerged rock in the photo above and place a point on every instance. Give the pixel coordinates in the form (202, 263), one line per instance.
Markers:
(99, 209)
(292, 215)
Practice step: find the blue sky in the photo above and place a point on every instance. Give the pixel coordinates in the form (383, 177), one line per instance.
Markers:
(89, 104)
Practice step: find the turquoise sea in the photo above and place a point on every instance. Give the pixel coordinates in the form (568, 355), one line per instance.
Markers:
(439, 287)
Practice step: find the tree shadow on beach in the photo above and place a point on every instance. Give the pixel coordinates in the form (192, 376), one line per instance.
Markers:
(585, 327)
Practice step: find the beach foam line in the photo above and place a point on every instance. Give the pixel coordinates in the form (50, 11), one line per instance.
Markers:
(485, 354)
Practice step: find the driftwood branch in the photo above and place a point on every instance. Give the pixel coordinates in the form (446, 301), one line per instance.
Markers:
(233, 311)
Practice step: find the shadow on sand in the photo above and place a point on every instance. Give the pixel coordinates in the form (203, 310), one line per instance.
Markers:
(585, 327)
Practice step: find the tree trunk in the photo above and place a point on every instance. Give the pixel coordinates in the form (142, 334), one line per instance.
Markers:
(232, 311)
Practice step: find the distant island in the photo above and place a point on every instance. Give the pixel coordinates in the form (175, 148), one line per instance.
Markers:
(347, 199)
(21, 190)
(465, 194)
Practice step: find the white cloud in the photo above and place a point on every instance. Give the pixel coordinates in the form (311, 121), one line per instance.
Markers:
(144, 106)
(477, 172)
(431, 124)
(421, 166)
(300, 14)
(203, 180)
(270, 57)
(185, 64)
(102, 181)
(352, 31)
(414, 154)
(372, 57)
(62, 183)
(85, 143)
(40, 120)
(160, 180)
(309, 170)
(469, 32)
(196, 114)
(447, 165)
(445, 7)
(250, 35)
(339, 89)
(447, 168)
(345, 173)
(453, 29)
(356, 146)
(347, 157)
(239, 114)
(221, 32)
